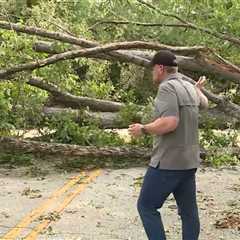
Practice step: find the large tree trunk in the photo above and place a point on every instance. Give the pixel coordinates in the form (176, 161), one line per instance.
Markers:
(105, 120)
(20, 145)
(212, 118)
(8, 144)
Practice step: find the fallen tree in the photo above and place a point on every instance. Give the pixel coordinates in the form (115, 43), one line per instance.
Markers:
(212, 118)
(20, 145)
(108, 120)
(191, 61)
(199, 62)
(196, 63)
(69, 100)
(15, 145)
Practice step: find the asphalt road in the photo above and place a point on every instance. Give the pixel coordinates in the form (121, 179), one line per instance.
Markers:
(101, 205)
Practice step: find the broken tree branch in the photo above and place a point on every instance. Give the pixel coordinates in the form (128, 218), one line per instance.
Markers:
(201, 63)
(67, 56)
(77, 101)
(126, 56)
(212, 118)
(123, 22)
(69, 100)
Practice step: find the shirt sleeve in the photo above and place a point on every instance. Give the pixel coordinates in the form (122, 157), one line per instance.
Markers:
(166, 102)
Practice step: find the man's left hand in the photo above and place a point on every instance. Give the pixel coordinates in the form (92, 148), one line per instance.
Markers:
(135, 130)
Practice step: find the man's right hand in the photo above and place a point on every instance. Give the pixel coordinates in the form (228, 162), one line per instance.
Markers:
(199, 85)
(201, 81)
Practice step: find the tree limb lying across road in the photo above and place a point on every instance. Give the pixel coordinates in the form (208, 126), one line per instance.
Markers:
(8, 144)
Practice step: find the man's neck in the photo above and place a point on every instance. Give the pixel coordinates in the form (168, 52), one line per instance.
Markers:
(170, 77)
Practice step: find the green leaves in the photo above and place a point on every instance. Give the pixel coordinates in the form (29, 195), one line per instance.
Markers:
(5, 108)
(214, 138)
(20, 104)
(67, 131)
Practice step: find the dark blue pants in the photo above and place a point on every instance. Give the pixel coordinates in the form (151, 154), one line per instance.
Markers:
(157, 186)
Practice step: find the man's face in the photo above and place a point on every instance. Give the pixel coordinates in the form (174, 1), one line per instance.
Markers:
(158, 74)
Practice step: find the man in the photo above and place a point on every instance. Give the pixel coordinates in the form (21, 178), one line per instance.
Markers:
(175, 157)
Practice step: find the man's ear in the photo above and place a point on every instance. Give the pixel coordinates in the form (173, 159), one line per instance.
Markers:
(160, 68)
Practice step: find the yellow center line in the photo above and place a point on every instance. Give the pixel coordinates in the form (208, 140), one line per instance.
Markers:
(35, 213)
(38, 229)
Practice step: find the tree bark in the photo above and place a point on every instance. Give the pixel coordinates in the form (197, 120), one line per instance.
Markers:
(20, 145)
(105, 120)
(228, 107)
(69, 100)
(196, 63)
(11, 145)
(76, 101)
(212, 118)
(223, 70)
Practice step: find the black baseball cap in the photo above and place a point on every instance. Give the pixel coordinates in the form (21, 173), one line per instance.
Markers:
(165, 58)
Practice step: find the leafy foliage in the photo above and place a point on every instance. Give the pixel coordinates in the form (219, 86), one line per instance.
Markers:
(21, 105)
(214, 140)
(67, 131)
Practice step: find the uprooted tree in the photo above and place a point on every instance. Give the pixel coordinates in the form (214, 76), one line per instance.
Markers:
(43, 54)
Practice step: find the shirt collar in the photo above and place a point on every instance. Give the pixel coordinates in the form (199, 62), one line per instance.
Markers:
(170, 76)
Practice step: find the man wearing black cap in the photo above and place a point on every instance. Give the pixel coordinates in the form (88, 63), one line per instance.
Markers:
(175, 156)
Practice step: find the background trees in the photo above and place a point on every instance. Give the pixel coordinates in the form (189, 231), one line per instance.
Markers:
(204, 35)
